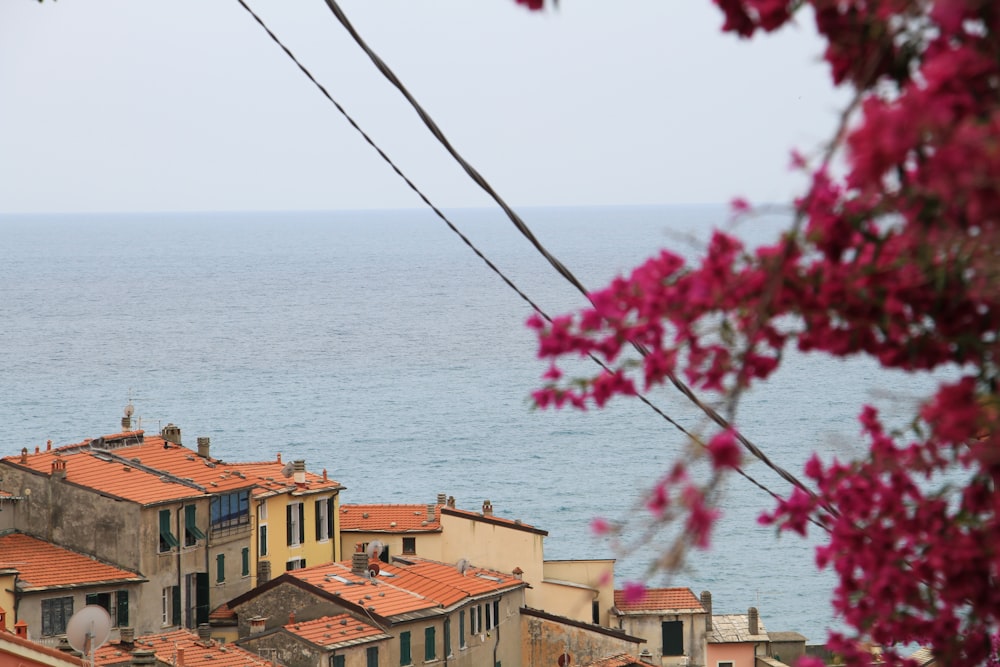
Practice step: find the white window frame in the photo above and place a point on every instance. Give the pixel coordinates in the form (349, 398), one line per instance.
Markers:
(323, 521)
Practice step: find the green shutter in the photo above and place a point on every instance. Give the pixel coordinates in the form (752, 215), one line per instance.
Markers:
(92, 598)
(372, 656)
(165, 533)
(121, 602)
(318, 520)
(339, 660)
(461, 629)
(302, 523)
(220, 567)
(288, 524)
(190, 522)
(429, 653)
(404, 648)
(246, 562)
(329, 518)
(447, 637)
(175, 598)
(201, 598)
(673, 637)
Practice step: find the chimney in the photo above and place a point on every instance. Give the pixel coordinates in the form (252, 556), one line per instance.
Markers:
(126, 636)
(171, 433)
(48, 445)
(205, 633)
(58, 469)
(752, 620)
(359, 563)
(299, 472)
(257, 625)
(291, 617)
(180, 657)
(706, 603)
(203, 445)
(24, 454)
(430, 511)
(263, 572)
(325, 478)
(442, 498)
(518, 572)
(487, 508)
(21, 629)
(126, 424)
(143, 657)
(451, 502)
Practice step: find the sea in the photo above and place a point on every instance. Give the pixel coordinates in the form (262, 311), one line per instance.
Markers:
(377, 345)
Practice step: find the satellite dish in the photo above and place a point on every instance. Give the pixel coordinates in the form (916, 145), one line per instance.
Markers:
(462, 565)
(129, 409)
(373, 570)
(88, 629)
(375, 549)
(288, 469)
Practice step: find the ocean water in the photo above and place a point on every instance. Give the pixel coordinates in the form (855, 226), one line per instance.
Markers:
(376, 345)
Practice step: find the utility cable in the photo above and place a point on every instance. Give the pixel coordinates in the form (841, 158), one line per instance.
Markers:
(520, 225)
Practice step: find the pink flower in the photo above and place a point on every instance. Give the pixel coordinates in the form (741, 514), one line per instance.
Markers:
(634, 592)
(599, 526)
(724, 450)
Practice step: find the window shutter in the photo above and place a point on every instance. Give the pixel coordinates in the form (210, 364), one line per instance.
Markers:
(329, 517)
(288, 523)
(429, 643)
(319, 521)
(121, 602)
(201, 598)
(220, 567)
(92, 599)
(302, 523)
(165, 533)
(245, 571)
(175, 598)
(461, 629)
(190, 522)
(673, 637)
(404, 648)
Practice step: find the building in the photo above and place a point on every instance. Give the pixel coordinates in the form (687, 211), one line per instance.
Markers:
(16, 650)
(49, 583)
(341, 640)
(672, 621)
(578, 589)
(736, 640)
(176, 648)
(187, 522)
(466, 616)
(548, 639)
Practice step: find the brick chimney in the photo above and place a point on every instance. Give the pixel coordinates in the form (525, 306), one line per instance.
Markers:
(263, 571)
(487, 508)
(203, 447)
(58, 468)
(706, 603)
(451, 502)
(180, 657)
(430, 511)
(205, 634)
(21, 629)
(752, 620)
(24, 454)
(257, 624)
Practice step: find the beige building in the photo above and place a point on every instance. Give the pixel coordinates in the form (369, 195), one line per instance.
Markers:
(580, 589)
(671, 620)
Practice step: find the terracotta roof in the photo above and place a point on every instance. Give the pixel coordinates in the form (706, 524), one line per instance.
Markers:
(389, 519)
(333, 632)
(29, 652)
(151, 470)
(195, 654)
(403, 589)
(222, 613)
(660, 599)
(43, 565)
(734, 629)
(623, 660)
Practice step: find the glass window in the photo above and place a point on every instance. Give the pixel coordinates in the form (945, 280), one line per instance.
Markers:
(191, 531)
(167, 539)
(230, 509)
(55, 614)
(409, 545)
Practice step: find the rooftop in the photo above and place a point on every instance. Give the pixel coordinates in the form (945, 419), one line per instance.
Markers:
(735, 628)
(151, 470)
(183, 649)
(623, 660)
(660, 600)
(390, 518)
(333, 632)
(42, 565)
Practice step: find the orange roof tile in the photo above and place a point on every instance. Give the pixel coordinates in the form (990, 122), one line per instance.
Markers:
(402, 589)
(659, 599)
(333, 631)
(49, 655)
(222, 613)
(167, 646)
(623, 660)
(390, 518)
(150, 470)
(43, 565)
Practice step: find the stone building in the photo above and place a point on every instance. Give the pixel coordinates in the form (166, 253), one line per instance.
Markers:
(547, 638)
(671, 620)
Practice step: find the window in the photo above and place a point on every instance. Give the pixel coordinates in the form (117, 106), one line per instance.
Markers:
(295, 524)
(191, 532)
(167, 539)
(196, 597)
(337, 661)
(324, 520)
(461, 629)
(220, 568)
(371, 656)
(171, 608)
(429, 652)
(410, 545)
(262, 540)
(55, 615)
(447, 638)
(115, 603)
(496, 613)
(724, 664)
(673, 637)
(476, 620)
(489, 615)
(595, 612)
(295, 564)
(230, 509)
(404, 649)
(245, 569)
(262, 511)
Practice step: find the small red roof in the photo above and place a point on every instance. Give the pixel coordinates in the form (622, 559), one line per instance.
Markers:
(390, 518)
(660, 599)
(183, 649)
(331, 632)
(44, 565)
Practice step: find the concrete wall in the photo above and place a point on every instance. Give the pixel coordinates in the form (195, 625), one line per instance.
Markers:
(544, 640)
(570, 587)
(292, 651)
(29, 608)
(648, 627)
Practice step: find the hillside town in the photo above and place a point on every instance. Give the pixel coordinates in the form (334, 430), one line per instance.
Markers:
(198, 562)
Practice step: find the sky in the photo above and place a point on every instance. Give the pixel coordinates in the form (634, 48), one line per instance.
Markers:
(187, 105)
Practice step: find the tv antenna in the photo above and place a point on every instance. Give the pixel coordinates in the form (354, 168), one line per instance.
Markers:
(88, 629)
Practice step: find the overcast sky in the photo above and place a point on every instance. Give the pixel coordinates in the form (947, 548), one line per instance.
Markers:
(177, 105)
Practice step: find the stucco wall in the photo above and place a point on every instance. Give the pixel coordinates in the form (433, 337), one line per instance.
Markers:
(740, 654)
(544, 640)
(649, 627)
(576, 602)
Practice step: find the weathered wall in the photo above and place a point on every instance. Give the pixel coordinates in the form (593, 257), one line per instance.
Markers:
(29, 608)
(593, 581)
(544, 640)
(648, 627)
(277, 603)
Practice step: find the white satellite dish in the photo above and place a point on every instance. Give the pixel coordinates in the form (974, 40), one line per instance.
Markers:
(462, 565)
(288, 469)
(88, 629)
(129, 409)
(375, 549)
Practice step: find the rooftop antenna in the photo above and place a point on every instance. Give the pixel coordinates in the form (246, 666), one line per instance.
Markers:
(88, 629)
